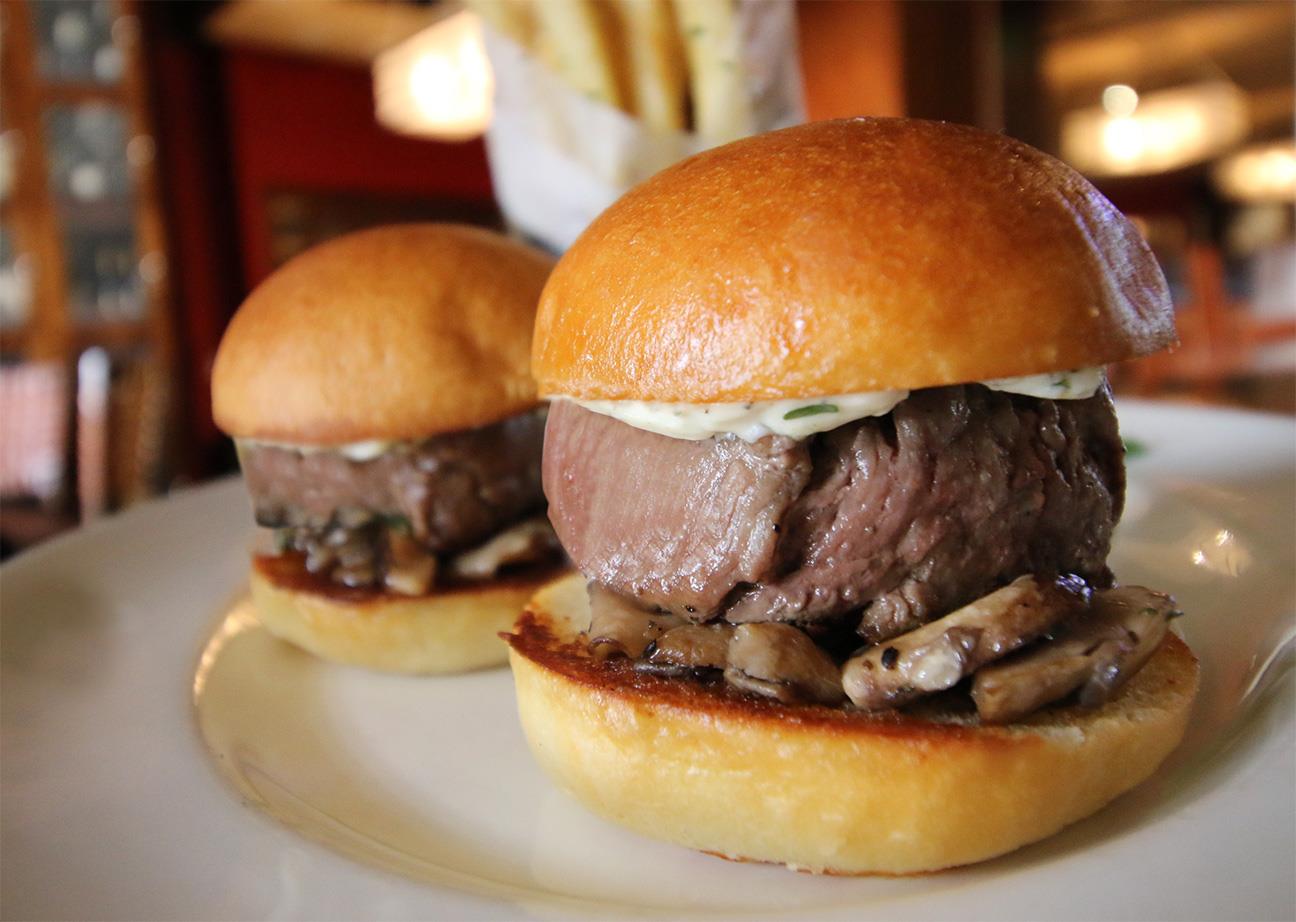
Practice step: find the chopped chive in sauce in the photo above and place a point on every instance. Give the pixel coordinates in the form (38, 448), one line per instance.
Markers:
(397, 523)
(1134, 448)
(812, 410)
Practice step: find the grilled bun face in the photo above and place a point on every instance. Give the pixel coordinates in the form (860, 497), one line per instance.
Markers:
(450, 630)
(825, 789)
(842, 257)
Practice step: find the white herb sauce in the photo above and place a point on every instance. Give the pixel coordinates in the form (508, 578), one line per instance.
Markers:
(352, 451)
(805, 416)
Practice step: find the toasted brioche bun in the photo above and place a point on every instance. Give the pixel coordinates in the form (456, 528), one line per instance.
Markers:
(394, 333)
(825, 789)
(847, 256)
(450, 630)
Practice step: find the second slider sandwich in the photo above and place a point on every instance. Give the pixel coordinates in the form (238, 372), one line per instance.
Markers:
(378, 390)
(833, 449)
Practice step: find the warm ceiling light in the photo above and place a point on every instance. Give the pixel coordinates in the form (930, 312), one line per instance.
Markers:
(1132, 134)
(1263, 173)
(1120, 100)
(437, 83)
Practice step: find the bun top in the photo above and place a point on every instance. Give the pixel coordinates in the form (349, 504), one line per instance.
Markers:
(396, 333)
(847, 256)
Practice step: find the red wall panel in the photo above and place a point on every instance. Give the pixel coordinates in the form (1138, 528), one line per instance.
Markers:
(302, 124)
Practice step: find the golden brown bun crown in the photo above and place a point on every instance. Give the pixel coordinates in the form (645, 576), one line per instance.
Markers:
(394, 333)
(847, 256)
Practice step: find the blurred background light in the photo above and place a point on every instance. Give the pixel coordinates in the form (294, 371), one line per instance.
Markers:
(1120, 100)
(1130, 135)
(1261, 173)
(437, 83)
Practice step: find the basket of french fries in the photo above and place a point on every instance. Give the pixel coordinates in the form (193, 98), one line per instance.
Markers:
(593, 96)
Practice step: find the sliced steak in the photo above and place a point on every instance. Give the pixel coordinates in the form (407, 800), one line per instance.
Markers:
(959, 490)
(676, 524)
(453, 490)
(902, 517)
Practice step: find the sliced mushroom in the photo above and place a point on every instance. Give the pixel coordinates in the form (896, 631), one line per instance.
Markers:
(618, 627)
(937, 655)
(780, 661)
(1096, 655)
(337, 537)
(527, 542)
(699, 646)
(354, 576)
(353, 517)
(779, 691)
(1145, 617)
(356, 553)
(686, 649)
(1007, 691)
(410, 568)
(319, 559)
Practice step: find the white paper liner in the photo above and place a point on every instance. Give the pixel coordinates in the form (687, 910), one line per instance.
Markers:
(558, 158)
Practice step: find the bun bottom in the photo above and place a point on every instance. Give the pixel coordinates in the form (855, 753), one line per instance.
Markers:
(822, 789)
(452, 630)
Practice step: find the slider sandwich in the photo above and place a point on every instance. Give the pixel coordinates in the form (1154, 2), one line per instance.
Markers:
(833, 450)
(378, 391)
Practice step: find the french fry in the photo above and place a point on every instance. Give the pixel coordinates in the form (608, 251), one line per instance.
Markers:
(656, 62)
(722, 109)
(577, 33)
(512, 18)
(616, 41)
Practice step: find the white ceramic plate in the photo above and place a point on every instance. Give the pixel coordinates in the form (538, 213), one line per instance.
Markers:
(163, 758)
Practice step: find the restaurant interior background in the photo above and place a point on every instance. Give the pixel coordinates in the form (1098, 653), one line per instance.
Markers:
(157, 160)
